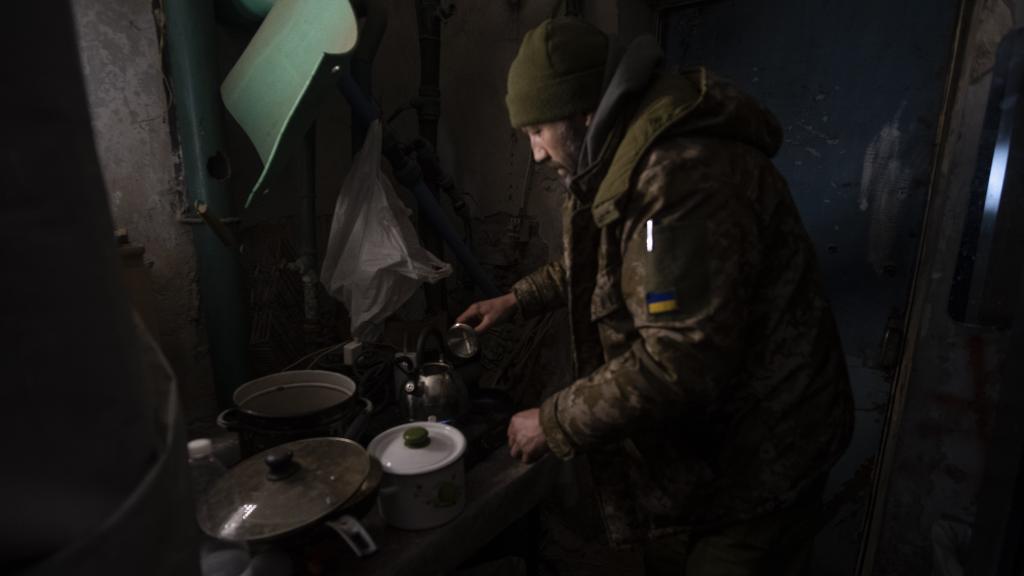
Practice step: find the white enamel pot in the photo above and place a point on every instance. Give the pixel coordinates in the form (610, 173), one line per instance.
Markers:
(424, 483)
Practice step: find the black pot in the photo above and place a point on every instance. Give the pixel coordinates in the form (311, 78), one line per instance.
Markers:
(289, 406)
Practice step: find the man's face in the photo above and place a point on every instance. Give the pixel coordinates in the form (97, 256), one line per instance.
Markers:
(558, 144)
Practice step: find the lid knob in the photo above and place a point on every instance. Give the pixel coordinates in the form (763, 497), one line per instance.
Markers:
(281, 465)
(416, 437)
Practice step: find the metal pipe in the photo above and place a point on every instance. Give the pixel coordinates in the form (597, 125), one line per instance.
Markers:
(219, 227)
(307, 198)
(194, 79)
(371, 31)
(428, 161)
(428, 107)
(429, 103)
(408, 174)
(308, 259)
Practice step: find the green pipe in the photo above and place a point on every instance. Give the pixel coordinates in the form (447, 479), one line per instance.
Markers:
(192, 55)
(246, 13)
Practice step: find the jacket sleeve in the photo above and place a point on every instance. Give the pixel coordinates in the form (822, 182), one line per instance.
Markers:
(541, 291)
(689, 252)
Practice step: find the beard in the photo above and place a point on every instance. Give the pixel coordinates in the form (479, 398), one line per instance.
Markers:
(568, 140)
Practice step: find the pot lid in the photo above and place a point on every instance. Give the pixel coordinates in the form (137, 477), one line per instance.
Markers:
(283, 489)
(417, 448)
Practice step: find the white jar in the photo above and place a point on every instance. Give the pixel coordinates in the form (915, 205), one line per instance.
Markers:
(424, 481)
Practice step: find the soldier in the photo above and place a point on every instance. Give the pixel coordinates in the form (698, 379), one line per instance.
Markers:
(711, 394)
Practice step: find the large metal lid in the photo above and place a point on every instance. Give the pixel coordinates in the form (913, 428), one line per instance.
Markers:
(283, 489)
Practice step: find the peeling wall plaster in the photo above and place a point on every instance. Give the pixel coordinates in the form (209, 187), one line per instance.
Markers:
(994, 20)
(885, 186)
(121, 62)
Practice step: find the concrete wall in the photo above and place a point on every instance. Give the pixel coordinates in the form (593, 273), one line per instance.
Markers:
(121, 61)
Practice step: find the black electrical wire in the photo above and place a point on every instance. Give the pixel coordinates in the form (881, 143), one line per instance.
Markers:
(374, 368)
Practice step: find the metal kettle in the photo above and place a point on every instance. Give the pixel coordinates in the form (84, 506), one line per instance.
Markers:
(434, 390)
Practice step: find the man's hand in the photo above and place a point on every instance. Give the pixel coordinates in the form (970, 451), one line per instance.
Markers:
(484, 314)
(526, 439)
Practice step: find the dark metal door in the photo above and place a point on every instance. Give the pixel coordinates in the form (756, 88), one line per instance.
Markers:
(859, 89)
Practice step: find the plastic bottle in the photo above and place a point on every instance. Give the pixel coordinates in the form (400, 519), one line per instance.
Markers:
(205, 468)
(216, 558)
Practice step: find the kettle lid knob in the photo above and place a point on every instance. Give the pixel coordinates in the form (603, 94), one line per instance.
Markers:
(416, 437)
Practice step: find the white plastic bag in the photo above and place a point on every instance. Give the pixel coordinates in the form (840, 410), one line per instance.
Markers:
(374, 261)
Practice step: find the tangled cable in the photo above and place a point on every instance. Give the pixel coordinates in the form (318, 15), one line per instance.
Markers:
(375, 369)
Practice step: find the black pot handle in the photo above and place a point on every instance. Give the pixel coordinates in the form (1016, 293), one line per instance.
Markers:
(428, 333)
(358, 426)
(229, 419)
(354, 535)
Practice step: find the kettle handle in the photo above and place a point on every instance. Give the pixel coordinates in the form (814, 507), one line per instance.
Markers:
(428, 333)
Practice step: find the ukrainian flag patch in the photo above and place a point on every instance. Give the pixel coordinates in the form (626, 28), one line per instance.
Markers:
(661, 302)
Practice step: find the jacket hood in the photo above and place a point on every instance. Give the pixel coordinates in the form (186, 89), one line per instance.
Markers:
(629, 73)
(692, 103)
(724, 111)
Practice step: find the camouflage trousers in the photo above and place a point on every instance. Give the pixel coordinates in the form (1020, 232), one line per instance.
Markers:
(776, 544)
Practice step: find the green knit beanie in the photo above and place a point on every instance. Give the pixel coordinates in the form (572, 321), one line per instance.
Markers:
(558, 72)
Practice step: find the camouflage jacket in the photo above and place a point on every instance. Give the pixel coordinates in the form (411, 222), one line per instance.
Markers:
(710, 383)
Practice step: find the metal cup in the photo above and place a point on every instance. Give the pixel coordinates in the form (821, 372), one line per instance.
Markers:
(462, 340)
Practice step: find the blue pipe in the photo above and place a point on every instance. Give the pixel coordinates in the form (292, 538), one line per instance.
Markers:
(409, 175)
(375, 16)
